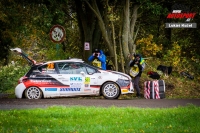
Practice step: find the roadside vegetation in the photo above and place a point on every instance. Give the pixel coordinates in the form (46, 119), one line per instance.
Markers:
(58, 119)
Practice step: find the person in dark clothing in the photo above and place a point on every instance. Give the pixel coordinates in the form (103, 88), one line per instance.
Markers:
(137, 65)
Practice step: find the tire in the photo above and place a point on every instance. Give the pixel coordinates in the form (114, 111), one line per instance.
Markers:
(33, 93)
(110, 90)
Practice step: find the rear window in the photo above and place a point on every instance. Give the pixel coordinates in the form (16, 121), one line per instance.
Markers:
(71, 68)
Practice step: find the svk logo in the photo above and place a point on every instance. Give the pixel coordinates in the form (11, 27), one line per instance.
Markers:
(75, 79)
(181, 12)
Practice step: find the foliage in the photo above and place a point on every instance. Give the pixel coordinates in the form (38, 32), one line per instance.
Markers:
(97, 119)
(9, 75)
(173, 55)
(148, 47)
(28, 24)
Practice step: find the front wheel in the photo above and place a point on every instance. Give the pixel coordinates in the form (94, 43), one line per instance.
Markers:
(110, 90)
(33, 93)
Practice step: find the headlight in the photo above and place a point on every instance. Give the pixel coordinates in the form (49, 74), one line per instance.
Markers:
(122, 82)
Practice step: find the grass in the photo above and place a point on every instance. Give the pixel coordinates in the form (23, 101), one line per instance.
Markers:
(77, 119)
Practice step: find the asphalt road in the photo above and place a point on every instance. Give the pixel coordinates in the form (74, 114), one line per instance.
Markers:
(7, 103)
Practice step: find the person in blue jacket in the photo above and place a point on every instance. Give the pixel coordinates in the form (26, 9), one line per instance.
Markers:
(98, 59)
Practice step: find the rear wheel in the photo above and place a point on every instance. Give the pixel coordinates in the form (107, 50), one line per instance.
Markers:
(33, 93)
(110, 90)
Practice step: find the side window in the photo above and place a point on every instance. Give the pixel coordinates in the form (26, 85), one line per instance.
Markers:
(71, 68)
(47, 68)
(79, 67)
(65, 68)
(90, 70)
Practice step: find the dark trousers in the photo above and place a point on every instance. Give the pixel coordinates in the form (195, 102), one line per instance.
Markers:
(135, 82)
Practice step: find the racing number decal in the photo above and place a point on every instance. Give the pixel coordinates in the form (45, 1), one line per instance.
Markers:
(50, 66)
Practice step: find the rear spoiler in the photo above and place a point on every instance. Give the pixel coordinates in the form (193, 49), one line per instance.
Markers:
(24, 55)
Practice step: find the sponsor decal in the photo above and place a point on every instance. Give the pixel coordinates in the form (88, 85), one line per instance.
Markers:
(50, 89)
(99, 77)
(76, 79)
(70, 89)
(32, 76)
(87, 85)
(43, 82)
(65, 80)
(87, 89)
(36, 71)
(51, 71)
(87, 79)
(95, 92)
(75, 85)
(44, 70)
(61, 78)
(124, 90)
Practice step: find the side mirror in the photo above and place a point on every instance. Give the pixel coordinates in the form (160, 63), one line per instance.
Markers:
(82, 73)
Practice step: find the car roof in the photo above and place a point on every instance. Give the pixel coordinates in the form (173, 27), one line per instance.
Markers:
(67, 60)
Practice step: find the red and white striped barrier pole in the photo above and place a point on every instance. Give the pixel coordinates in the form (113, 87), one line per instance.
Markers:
(156, 89)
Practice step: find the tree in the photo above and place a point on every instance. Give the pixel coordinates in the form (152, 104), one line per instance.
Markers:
(89, 31)
(127, 23)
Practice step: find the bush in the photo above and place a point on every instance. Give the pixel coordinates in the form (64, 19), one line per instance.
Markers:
(10, 74)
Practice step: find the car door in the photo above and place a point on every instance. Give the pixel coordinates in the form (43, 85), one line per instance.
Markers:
(70, 76)
(92, 78)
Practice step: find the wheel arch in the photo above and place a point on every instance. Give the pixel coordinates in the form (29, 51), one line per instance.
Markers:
(107, 82)
(23, 94)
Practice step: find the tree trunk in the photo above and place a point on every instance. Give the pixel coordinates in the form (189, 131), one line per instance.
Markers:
(132, 46)
(125, 33)
(114, 46)
(87, 24)
(102, 26)
(121, 51)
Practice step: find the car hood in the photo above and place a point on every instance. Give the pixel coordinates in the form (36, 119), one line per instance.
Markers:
(24, 55)
(120, 74)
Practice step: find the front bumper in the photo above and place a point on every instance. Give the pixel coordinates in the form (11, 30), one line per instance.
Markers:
(126, 90)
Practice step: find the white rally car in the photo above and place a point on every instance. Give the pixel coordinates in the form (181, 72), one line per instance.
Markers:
(72, 77)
